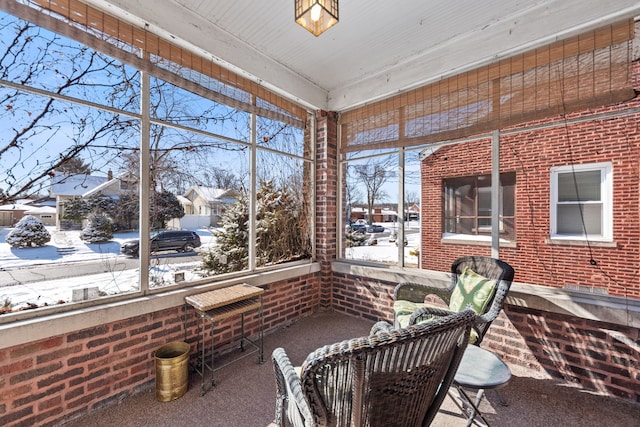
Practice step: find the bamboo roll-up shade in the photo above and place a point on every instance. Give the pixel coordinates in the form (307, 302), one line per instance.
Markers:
(588, 70)
(169, 56)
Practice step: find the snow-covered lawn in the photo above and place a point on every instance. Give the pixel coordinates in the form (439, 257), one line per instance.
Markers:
(68, 250)
(386, 251)
(67, 247)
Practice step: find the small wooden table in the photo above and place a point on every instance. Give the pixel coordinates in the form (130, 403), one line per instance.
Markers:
(220, 304)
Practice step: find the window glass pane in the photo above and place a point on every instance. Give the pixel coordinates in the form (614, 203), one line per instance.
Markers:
(73, 196)
(507, 228)
(484, 201)
(281, 137)
(283, 227)
(579, 186)
(466, 226)
(484, 225)
(570, 219)
(35, 57)
(175, 105)
(64, 200)
(593, 218)
(508, 191)
(461, 193)
(198, 186)
(467, 203)
(412, 208)
(371, 203)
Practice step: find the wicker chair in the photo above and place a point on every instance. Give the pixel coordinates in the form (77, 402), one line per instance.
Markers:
(490, 268)
(397, 377)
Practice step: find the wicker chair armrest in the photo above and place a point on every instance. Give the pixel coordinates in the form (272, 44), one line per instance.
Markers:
(426, 313)
(288, 389)
(416, 292)
(380, 326)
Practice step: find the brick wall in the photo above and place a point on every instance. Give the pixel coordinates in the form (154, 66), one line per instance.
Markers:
(531, 154)
(594, 355)
(68, 376)
(326, 197)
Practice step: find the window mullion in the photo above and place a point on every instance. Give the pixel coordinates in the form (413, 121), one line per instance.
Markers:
(253, 168)
(145, 179)
(495, 194)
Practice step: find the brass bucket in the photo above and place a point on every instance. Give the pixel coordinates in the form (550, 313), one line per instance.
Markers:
(172, 371)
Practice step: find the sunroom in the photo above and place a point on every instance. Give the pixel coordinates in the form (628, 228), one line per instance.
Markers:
(376, 153)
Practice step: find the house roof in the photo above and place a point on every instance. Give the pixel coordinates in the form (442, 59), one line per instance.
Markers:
(41, 210)
(75, 185)
(106, 184)
(15, 207)
(211, 194)
(183, 200)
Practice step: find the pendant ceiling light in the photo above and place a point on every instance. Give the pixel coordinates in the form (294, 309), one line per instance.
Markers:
(317, 16)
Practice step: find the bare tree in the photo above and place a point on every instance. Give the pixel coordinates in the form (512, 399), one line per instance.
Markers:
(43, 134)
(222, 178)
(75, 166)
(374, 174)
(412, 198)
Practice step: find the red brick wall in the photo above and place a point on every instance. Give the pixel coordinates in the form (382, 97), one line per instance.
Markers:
(64, 377)
(326, 197)
(594, 355)
(531, 155)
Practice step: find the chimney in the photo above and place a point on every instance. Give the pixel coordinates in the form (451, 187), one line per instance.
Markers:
(110, 175)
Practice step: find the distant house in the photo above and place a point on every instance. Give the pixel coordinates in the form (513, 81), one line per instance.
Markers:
(66, 187)
(11, 213)
(383, 214)
(413, 213)
(204, 206)
(46, 214)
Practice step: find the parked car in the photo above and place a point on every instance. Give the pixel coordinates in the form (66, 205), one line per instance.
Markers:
(358, 228)
(375, 228)
(177, 240)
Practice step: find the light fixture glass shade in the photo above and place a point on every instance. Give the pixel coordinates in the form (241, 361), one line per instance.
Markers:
(317, 16)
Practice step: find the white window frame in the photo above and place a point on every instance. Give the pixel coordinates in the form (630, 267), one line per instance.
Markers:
(606, 192)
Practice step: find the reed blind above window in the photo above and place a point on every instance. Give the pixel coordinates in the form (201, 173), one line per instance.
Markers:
(132, 44)
(585, 71)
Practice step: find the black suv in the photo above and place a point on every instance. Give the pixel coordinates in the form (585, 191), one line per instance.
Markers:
(181, 241)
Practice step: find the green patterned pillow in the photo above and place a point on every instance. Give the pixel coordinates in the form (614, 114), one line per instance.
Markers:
(404, 309)
(472, 291)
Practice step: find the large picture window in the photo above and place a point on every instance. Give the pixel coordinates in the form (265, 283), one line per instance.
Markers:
(110, 153)
(381, 207)
(581, 202)
(467, 206)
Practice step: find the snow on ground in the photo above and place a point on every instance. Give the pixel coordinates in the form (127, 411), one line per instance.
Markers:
(66, 248)
(385, 251)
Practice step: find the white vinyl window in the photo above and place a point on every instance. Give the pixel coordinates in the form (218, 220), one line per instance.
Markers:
(582, 202)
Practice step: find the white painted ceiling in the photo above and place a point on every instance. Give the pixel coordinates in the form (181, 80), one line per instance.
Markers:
(378, 48)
